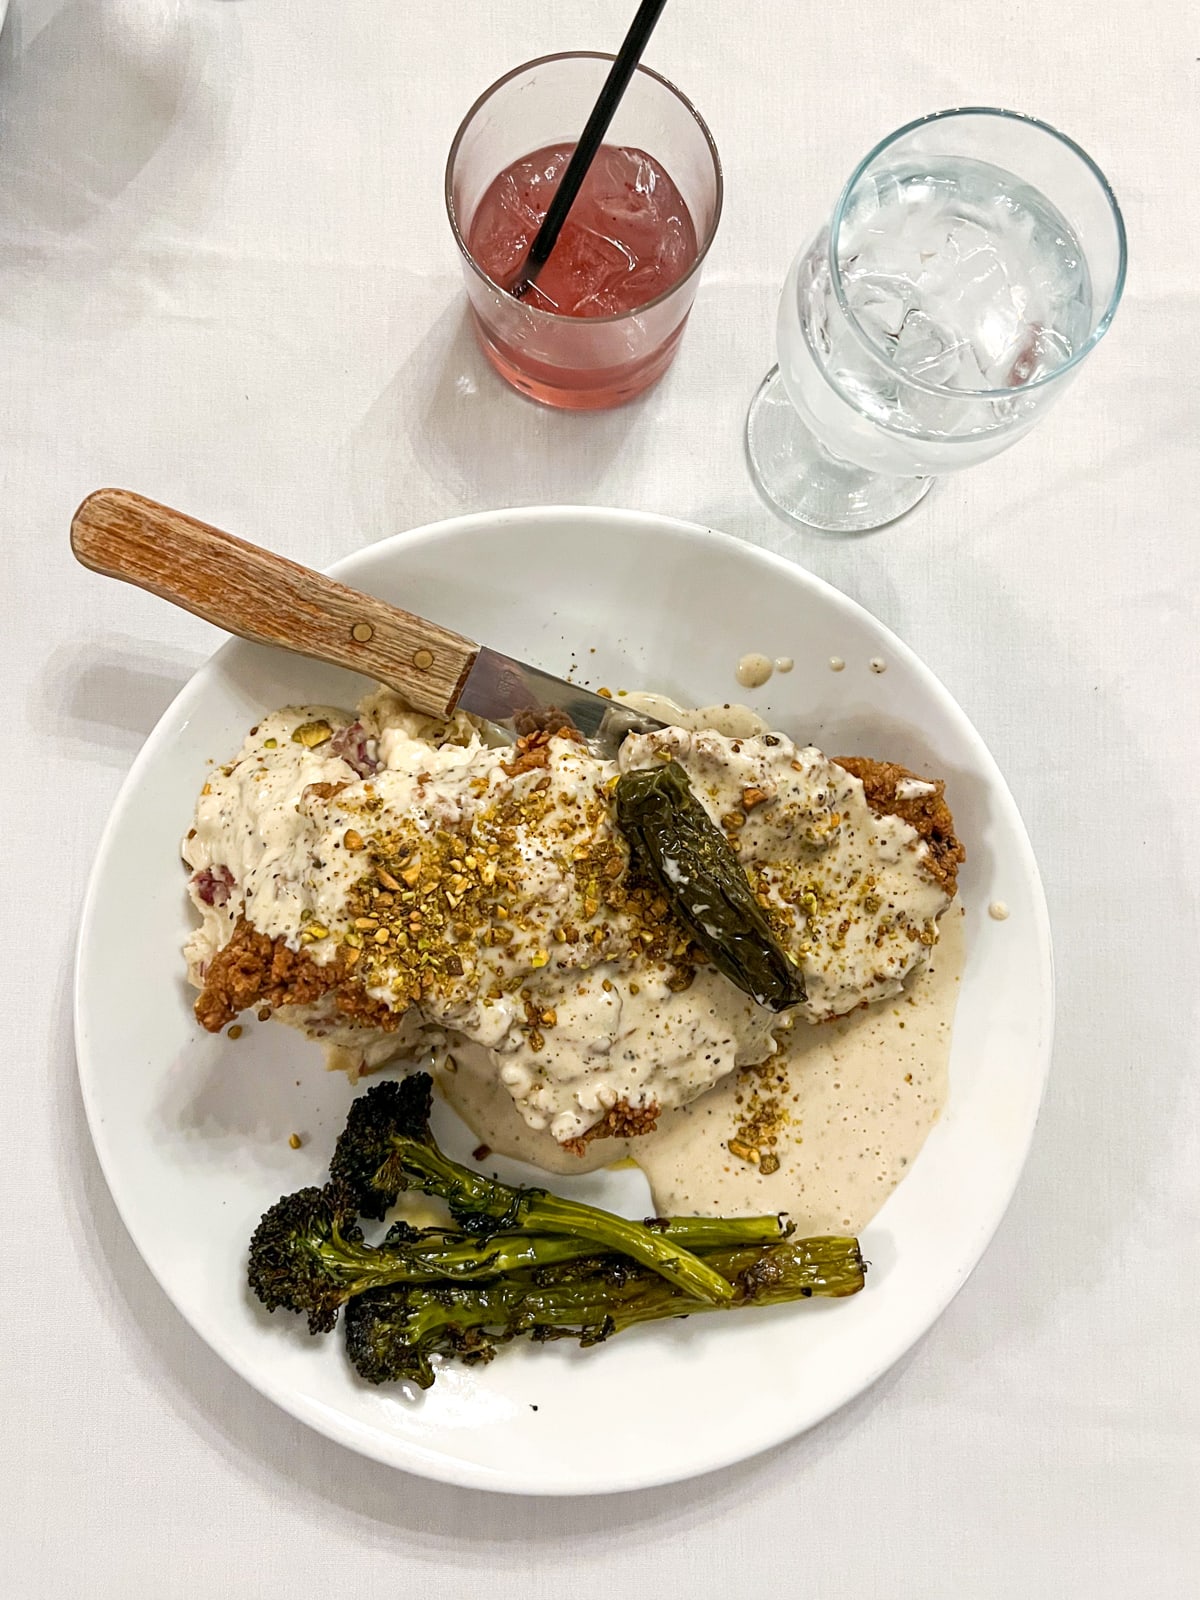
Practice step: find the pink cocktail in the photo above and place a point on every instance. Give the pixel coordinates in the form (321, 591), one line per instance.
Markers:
(608, 309)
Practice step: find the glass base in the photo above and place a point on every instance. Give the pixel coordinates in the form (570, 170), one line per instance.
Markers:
(566, 389)
(799, 479)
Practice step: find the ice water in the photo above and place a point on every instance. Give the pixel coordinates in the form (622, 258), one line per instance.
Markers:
(628, 237)
(962, 279)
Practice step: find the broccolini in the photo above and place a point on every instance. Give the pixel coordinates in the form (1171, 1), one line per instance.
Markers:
(308, 1254)
(386, 1147)
(392, 1334)
(517, 1262)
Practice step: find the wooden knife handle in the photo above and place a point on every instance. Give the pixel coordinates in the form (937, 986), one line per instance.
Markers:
(266, 598)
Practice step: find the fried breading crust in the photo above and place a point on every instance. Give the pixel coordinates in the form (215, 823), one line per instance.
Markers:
(622, 1122)
(254, 970)
(927, 813)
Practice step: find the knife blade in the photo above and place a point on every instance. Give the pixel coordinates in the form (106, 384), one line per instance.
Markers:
(520, 698)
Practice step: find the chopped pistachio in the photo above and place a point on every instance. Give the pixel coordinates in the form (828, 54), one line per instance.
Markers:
(744, 1152)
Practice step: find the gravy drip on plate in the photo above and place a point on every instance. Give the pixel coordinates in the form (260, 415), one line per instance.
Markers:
(848, 1104)
(754, 669)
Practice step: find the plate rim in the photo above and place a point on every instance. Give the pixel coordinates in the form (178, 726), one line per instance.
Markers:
(405, 1454)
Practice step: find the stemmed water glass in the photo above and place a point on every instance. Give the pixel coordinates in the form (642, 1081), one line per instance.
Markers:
(974, 259)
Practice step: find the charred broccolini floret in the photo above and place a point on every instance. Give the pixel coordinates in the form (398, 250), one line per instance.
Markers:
(307, 1254)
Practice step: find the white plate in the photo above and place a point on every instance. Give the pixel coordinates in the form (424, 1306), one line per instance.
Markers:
(192, 1131)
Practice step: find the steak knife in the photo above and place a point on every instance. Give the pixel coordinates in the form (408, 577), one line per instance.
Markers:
(270, 600)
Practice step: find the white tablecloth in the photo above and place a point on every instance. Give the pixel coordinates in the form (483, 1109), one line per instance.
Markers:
(226, 280)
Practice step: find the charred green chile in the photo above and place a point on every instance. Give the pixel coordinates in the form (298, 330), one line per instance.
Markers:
(672, 837)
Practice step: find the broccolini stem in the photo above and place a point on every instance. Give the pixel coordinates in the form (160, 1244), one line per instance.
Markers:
(440, 1258)
(432, 1255)
(480, 1205)
(393, 1336)
(702, 1234)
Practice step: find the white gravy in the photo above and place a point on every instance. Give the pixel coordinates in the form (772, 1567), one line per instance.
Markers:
(858, 1098)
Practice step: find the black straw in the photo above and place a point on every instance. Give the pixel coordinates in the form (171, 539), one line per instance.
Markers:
(615, 85)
